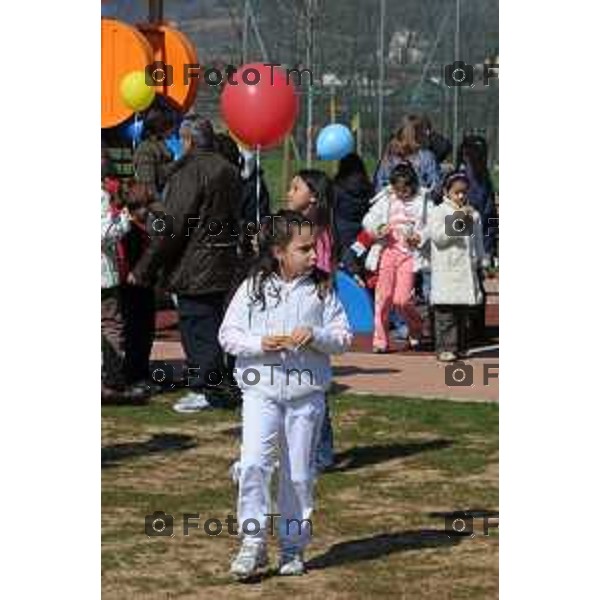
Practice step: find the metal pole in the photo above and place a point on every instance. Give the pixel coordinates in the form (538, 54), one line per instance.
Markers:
(155, 11)
(258, 215)
(309, 100)
(245, 32)
(456, 88)
(380, 83)
(254, 23)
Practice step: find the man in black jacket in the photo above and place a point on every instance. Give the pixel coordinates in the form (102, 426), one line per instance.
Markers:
(196, 252)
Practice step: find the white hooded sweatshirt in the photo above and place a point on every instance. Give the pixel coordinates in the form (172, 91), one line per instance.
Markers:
(289, 374)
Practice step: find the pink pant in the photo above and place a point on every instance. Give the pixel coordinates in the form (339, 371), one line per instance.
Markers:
(394, 288)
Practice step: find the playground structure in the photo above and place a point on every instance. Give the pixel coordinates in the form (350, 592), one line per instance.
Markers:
(127, 48)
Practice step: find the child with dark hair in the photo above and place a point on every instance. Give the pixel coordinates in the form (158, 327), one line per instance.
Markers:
(457, 255)
(152, 159)
(282, 324)
(114, 225)
(353, 190)
(138, 301)
(397, 220)
(311, 194)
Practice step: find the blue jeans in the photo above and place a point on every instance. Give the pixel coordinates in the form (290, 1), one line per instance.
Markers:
(199, 321)
(425, 281)
(325, 455)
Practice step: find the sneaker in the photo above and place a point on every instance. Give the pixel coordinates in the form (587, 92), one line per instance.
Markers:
(291, 563)
(413, 343)
(446, 356)
(325, 466)
(191, 403)
(235, 471)
(378, 350)
(251, 558)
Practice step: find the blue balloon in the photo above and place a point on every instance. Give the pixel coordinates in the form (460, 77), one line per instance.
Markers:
(175, 146)
(133, 130)
(334, 142)
(357, 303)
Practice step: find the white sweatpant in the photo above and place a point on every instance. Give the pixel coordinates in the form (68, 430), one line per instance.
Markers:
(289, 431)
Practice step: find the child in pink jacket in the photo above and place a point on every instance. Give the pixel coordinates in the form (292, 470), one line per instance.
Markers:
(397, 219)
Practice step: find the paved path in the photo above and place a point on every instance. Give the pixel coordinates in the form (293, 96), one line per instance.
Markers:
(409, 374)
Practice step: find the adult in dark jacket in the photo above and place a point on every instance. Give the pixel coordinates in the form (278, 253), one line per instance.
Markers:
(152, 160)
(352, 191)
(472, 158)
(196, 252)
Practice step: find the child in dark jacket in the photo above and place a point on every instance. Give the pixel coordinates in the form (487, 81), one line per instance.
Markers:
(138, 302)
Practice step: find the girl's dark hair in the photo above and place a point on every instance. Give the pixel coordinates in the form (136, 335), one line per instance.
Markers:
(277, 232)
(352, 175)
(453, 177)
(473, 151)
(226, 147)
(351, 166)
(157, 122)
(406, 172)
(321, 187)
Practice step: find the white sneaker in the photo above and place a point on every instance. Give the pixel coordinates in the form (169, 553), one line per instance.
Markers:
(235, 471)
(251, 558)
(446, 357)
(291, 563)
(191, 402)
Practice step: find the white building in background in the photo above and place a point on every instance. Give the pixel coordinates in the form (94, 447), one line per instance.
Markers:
(407, 48)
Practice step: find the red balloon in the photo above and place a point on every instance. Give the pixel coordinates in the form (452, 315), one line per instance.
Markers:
(260, 114)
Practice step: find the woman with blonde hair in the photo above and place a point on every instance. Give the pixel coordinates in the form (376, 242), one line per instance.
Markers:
(409, 143)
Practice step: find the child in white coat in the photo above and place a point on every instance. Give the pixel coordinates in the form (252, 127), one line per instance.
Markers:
(282, 324)
(457, 255)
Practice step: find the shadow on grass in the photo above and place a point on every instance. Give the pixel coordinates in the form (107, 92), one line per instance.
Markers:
(363, 456)
(371, 548)
(381, 545)
(475, 513)
(344, 370)
(466, 521)
(113, 455)
(481, 351)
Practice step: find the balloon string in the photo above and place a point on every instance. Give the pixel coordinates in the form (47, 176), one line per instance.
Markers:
(135, 130)
(258, 186)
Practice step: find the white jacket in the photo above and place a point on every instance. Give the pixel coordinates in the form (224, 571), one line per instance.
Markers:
(289, 374)
(112, 229)
(455, 260)
(379, 215)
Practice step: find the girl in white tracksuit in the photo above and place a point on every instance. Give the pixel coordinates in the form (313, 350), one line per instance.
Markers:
(282, 324)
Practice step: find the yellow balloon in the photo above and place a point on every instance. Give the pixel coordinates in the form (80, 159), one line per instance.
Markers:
(134, 91)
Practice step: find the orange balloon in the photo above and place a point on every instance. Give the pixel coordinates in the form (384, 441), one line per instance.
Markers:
(124, 49)
(173, 48)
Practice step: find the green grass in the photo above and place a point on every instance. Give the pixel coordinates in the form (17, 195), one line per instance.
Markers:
(272, 166)
(403, 464)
